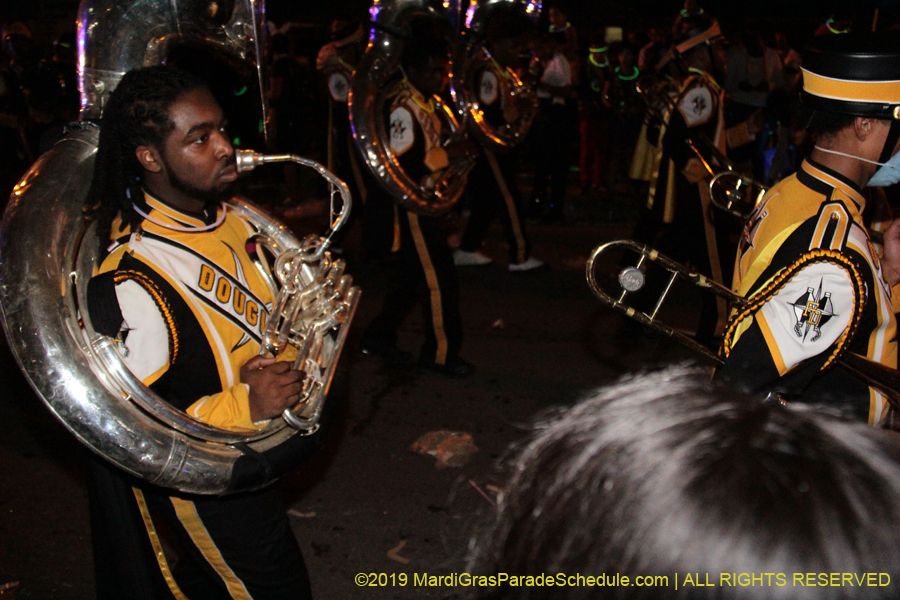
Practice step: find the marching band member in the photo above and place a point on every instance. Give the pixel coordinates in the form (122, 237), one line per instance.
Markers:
(818, 287)
(621, 97)
(594, 119)
(491, 185)
(679, 220)
(181, 296)
(426, 275)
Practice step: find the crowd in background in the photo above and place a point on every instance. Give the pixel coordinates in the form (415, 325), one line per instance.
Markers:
(583, 138)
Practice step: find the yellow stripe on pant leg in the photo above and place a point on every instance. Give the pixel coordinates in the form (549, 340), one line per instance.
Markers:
(510, 206)
(190, 518)
(437, 312)
(157, 546)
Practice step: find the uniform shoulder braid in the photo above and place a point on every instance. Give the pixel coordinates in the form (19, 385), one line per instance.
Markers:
(812, 308)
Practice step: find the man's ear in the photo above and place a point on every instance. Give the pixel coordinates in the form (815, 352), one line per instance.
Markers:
(863, 127)
(149, 158)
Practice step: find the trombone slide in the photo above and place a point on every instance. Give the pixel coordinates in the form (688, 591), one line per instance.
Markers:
(633, 279)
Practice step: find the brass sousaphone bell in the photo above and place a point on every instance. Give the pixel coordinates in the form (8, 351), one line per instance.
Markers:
(471, 57)
(378, 68)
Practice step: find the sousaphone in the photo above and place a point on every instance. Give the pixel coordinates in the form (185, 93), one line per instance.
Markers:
(472, 57)
(378, 69)
(48, 253)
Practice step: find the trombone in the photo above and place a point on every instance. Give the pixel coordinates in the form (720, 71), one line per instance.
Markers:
(730, 190)
(728, 179)
(633, 278)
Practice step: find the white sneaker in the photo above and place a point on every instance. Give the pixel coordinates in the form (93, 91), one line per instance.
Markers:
(461, 258)
(528, 265)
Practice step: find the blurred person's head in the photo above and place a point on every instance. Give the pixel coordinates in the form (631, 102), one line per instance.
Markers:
(18, 43)
(627, 57)
(753, 42)
(507, 35)
(691, 7)
(557, 18)
(426, 54)
(700, 45)
(665, 474)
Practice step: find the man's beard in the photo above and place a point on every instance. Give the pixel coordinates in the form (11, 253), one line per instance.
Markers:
(211, 198)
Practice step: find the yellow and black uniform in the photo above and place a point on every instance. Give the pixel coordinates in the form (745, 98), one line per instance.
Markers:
(426, 275)
(491, 187)
(816, 290)
(187, 306)
(679, 220)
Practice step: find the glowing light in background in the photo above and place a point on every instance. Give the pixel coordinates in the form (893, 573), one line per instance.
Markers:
(470, 13)
(81, 34)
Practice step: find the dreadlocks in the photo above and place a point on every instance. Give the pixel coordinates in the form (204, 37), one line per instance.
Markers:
(137, 115)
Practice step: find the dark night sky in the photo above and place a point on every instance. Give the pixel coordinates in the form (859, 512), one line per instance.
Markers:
(582, 13)
(590, 11)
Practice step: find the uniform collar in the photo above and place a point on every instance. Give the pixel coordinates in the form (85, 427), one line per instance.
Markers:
(158, 209)
(426, 104)
(834, 179)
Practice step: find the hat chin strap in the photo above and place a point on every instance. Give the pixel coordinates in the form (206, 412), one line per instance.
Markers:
(890, 142)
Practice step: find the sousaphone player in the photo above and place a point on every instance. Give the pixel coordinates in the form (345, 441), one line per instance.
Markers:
(174, 254)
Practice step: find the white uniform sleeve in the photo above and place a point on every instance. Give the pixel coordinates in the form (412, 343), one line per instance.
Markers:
(146, 346)
(809, 314)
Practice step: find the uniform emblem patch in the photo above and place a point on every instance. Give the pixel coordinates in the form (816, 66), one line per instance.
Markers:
(811, 311)
(697, 106)
(339, 87)
(487, 93)
(402, 132)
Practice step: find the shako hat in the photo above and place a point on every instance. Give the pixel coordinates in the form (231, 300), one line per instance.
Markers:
(854, 74)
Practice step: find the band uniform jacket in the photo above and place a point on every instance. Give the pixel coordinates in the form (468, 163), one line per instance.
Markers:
(417, 131)
(417, 134)
(187, 310)
(496, 84)
(692, 107)
(816, 289)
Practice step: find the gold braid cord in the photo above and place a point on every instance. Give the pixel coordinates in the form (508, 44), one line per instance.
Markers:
(755, 301)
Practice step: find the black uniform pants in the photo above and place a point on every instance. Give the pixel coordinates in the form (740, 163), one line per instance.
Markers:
(426, 276)
(231, 547)
(551, 138)
(490, 197)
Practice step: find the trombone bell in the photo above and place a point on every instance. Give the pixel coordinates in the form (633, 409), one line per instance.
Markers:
(632, 279)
